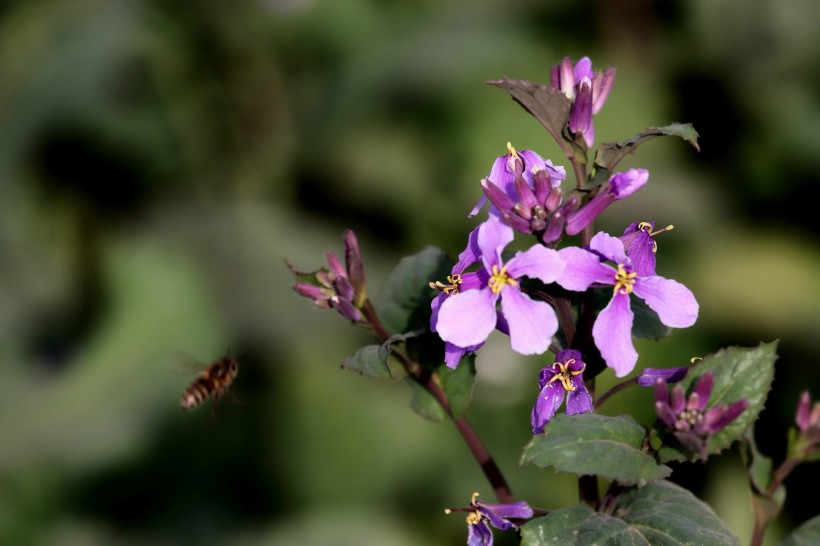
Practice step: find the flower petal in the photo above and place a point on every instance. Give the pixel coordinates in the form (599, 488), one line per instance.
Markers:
(532, 323)
(612, 333)
(583, 269)
(610, 247)
(538, 262)
(675, 304)
(467, 318)
(547, 403)
(479, 534)
(499, 514)
(493, 236)
(579, 400)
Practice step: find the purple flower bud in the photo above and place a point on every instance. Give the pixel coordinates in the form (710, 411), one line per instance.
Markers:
(588, 91)
(620, 186)
(650, 376)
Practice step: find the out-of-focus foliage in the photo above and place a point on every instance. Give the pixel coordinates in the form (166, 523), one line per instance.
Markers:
(159, 160)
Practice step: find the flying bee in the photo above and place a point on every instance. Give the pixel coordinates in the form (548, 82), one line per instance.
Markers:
(213, 380)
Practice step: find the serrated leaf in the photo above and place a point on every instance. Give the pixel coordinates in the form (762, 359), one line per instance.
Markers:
(458, 384)
(548, 105)
(610, 154)
(599, 445)
(558, 527)
(739, 373)
(660, 514)
(404, 301)
(807, 534)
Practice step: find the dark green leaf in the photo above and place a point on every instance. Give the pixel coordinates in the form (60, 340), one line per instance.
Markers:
(404, 301)
(558, 527)
(807, 534)
(610, 447)
(647, 324)
(611, 153)
(458, 384)
(660, 514)
(424, 404)
(370, 361)
(739, 373)
(548, 105)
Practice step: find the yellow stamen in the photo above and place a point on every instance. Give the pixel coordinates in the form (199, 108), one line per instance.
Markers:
(624, 281)
(449, 289)
(695, 359)
(647, 227)
(511, 150)
(474, 517)
(565, 374)
(499, 279)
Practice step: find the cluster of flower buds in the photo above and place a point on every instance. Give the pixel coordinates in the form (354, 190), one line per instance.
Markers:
(341, 287)
(690, 420)
(586, 89)
(804, 443)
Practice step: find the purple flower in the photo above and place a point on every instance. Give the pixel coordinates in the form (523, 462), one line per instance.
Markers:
(466, 318)
(586, 89)
(650, 376)
(803, 443)
(553, 381)
(499, 516)
(620, 186)
(641, 247)
(688, 419)
(507, 168)
(612, 331)
(340, 288)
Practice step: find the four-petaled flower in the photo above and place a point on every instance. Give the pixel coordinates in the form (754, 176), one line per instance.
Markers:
(688, 419)
(586, 89)
(513, 165)
(466, 318)
(499, 516)
(564, 376)
(612, 330)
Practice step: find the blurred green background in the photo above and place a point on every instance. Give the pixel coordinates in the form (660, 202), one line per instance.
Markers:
(159, 161)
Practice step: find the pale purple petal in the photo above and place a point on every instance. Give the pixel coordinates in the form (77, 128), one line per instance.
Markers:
(493, 236)
(583, 68)
(675, 304)
(498, 176)
(470, 255)
(467, 318)
(532, 323)
(610, 247)
(612, 333)
(626, 183)
(538, 262)
(583, 269)
(547, 403)
(454, 354)
(435, 305)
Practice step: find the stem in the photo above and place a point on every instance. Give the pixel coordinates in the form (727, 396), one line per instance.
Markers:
(763, 517)
(430, 382)
(617, 388)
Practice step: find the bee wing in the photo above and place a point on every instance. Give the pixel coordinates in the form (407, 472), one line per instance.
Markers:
(185, 364)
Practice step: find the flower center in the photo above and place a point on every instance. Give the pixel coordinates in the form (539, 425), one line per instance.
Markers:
(691, 417)
(449, 289)
(474, 517)
(624, 281)
(499, 279)
(565, 374)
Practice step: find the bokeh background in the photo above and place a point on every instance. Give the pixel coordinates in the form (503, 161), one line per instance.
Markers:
(160, 160)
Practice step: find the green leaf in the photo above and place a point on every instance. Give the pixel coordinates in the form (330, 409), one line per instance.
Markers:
(807, 534)
(739, 373)
(661, 514)
(372, 360)
(610, 154)
(404, 301)
(424, 403)
(558, 527)
(592, 444)
(546, 104)
(758, 465)
(458, 384)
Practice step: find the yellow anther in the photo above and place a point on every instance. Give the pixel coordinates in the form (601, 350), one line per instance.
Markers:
(511, 150)
(449, 289)
(565, 374)
(499, 279)
(473, 518)
(624, 281)
(694, 359)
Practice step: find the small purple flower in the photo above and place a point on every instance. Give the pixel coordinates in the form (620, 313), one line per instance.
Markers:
(641, 247)
(553, 381)
(620, 186)
(507, 168)
(804, 444)
(466, 318)
(688, 419)
(340, 288)
(586, 89)
(674, 303)
(499, 516)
